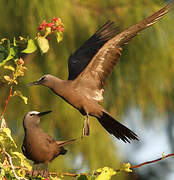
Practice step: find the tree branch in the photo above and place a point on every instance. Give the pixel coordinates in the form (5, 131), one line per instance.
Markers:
(13, 168)
(132, 167)
(153, 161)
(3, 123)
(118, 170)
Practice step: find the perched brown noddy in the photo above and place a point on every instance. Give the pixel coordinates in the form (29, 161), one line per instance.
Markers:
(90, 66)
(37, 145)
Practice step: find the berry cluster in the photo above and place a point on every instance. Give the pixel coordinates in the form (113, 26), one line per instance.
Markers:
(55, 25)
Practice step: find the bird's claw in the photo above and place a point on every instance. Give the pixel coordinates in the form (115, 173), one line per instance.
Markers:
(34, 173)
(43, 173)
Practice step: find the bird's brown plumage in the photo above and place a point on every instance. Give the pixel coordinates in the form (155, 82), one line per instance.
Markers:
(93, 77)
(82, 56)
(89, 68)
(38, 146)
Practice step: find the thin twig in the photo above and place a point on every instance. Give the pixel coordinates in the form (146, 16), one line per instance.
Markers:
(67, 174)
(12, 167)
(51, 173)
(7, 100)
(85, 174)
(153, 161)
(132, 167)
(3, 123)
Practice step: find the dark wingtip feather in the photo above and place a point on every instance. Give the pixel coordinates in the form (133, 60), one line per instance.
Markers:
(107, 31)
(81, 58)
(107, 25)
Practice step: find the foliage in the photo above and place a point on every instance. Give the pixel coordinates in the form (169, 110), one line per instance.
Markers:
(8, 155)
(13, 164)
(21, 167)
(13, 51)
(48, 28)
(105, 173)
(143, 81)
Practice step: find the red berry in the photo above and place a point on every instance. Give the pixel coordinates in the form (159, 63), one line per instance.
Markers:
(41, 28)
(50, 24)
(56, 19)
(44, 23)
(61, 29)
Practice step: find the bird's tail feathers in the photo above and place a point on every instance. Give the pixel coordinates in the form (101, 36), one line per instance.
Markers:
(62, 143)
(117, 129)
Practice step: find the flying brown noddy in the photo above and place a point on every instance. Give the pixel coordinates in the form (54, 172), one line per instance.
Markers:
(37, 145)
(90, 66)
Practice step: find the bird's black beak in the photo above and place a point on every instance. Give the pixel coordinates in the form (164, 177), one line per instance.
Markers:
(43, 113)
(33, 83)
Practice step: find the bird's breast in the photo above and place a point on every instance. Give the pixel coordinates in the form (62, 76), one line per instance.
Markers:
(38, 149)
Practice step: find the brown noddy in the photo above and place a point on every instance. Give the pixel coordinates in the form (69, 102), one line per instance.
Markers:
(37, 145)
(90, 66)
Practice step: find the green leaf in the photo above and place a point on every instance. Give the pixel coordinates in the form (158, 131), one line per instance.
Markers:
(31, 47)
(8, 133)
(55, 178)
(1, 165)
(21, 172)
(126, 167)
(14, 41)
(2, 53)
(43, 44)
(82, 177)
(23, 159)
(9, 68)
(59, 36)
(105, 173)
(8, 43)
(10, 56)
(2, 173)
(7, 78)
(18, 93)
(21, 38)
(2, 139)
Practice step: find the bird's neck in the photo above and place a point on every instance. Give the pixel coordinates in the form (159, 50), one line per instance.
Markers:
(59, 87)
(31, 128)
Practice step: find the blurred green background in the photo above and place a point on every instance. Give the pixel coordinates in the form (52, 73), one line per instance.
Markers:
(142, 81)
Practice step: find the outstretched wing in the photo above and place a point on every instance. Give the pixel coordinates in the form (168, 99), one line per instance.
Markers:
(93, 78)
(80, 59)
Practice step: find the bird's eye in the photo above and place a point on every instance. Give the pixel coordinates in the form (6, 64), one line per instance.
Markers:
(42, 78)
(31, 114)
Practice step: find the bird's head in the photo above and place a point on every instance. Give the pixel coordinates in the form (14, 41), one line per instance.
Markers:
(45, 80)
(32, 118)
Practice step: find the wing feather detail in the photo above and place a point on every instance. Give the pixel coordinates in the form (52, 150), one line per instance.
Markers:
(93, 77)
